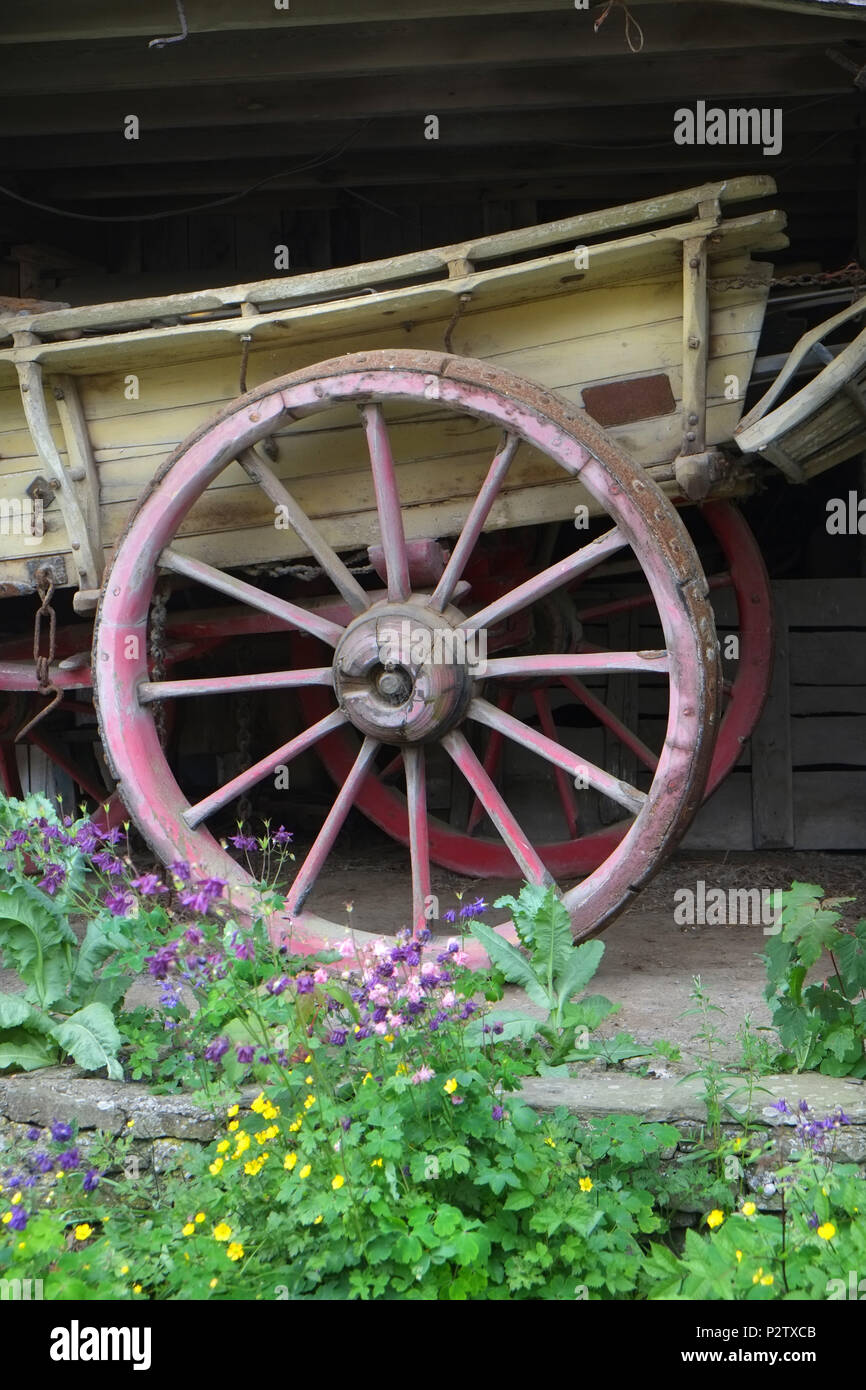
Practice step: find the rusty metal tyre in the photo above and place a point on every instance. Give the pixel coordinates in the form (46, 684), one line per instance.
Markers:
(439, 701)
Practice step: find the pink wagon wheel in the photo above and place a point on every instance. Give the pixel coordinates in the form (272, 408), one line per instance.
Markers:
(576, 851)
(411, 704)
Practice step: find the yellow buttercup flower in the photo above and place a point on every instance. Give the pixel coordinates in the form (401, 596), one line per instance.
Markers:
(715, 1219)
(305, 1171)
(255, 1165)
(309, 1101)
(317, 1220)
(337, 1182)
(551, 1143)
(402, 1070)
(757, 1276)
(235, 1251)
(199, 1217)
(269, 1111)
(213, 1283)
(748, 1209)
(377, 1163)
(84, 1231)
(450, 1086)
(827, 1231)
(223, 1146)
(289, 1161)
(233, 1126)
(216, 1167)
(389, 1038)
(767, 1280)
(739, 1255)
(6, 1218)
(368, 1077)
(308, 1080)
(232, 1111)
(222, 1231)
(16, 1199)
(259, 1103)
(585, 1184)
(295, 1126)
(188, 1229)
(136, 1288)
(124, 1269)
(242, 1145)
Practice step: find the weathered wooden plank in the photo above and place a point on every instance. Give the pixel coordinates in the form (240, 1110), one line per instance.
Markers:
(821, 658)
(833, 699)
(772, 805)
(830, 810)
(826, 602)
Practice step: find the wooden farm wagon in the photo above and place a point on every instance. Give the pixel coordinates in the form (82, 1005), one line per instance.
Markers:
(493, 442)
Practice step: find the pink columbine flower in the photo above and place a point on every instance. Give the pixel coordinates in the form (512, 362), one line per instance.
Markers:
(422, 1074)
(321, 976)
(347, 948)
(449, 999)
(381, 1028)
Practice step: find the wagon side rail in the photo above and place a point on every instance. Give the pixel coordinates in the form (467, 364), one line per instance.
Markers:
(457, 261)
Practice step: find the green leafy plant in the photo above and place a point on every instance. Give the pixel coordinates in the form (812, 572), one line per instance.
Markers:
(551, 971)
(821, 1023)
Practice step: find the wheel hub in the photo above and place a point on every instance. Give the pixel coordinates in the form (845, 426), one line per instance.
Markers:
(404, 674)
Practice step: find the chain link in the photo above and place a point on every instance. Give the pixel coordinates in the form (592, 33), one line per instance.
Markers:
(158, 613)
(355, 564)
(851, 274)
(45, 586)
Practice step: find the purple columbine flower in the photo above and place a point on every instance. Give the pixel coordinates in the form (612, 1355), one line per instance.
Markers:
(161, 962)
(69, 1159)
(55, 876)
(216, 1049)
(112, 836)
(782, 1107)
(468, 1009)
(194, 935)
(245, 950)
(199, 896)
(43, 1162)
(449, 916)
(30, 1182)
(107, 862)
(16, 840)
(263, 1057)
(305, 984)
(118, 902)
(19, 1220)
(241, 841)
(91, 1179)
(60, 1131)
(345, 1124)
(814, 1221)
(86, 837)
(181, 870)
(245, 1053)
(282, 836)
(278, 985)
(33, 1134)
(148, 884)
(338, 1037)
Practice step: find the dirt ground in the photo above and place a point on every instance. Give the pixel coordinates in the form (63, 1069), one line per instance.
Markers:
(649, 961)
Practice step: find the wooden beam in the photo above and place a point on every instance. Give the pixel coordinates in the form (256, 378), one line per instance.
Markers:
(55, 20)
(285, 53)
(574, 87)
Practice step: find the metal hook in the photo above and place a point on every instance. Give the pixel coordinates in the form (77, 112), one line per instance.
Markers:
(176, 38)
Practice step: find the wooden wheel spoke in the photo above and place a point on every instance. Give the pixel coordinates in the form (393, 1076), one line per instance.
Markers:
(492, 758)
(579, 663)
(564, 787)
(149, 691)
(419, 836)
(610, 721)
(622, 792)
(474, 524)
(289, 613)
(242, 783)
(343, 580)
(554, 577)
(387, 502)
(457, 746)
(324, 841)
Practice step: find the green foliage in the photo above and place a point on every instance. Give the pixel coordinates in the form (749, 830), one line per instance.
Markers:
(821, 1022)
(552, 972)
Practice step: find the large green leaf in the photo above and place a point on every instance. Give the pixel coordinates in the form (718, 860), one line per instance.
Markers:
(581, 965)
(16, 1012)
(101, 940)
(91, 1037)
(30, 936)
(25, 1051)
(524, 910)
(552, 940)
(512, 964)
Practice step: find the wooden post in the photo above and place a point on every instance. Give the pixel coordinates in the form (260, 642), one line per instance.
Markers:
(772, 774)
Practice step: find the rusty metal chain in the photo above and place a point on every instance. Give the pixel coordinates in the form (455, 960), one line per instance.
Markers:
(158, 613)
(356, 564)
(45, 586)
(851, 274)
